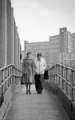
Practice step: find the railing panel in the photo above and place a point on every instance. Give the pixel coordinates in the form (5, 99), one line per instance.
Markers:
(73, 95)
(74, 77)
(65, 79)
(69, 92)
(9, 76)
(1, 76)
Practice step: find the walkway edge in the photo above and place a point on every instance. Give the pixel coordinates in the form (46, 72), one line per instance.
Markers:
(67, 104)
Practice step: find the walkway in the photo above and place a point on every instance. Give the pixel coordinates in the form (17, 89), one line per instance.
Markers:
(36, 107)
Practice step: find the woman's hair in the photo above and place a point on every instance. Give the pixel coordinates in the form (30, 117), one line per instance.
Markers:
(28, 53)
(39, 54)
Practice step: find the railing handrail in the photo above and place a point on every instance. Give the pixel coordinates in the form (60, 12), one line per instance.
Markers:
(64, 79)
(66, 67)
(62, 66)
(68, 82)
(5, 67)
(10, 65)
(8, 72)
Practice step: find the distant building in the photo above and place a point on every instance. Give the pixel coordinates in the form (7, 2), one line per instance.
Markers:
(59, 49)
(54, 49)
(66, 46)
(73, 51)
(73, 38)
(36, 47)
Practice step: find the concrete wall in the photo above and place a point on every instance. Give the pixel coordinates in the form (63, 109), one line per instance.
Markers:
(12, 37)
(9, 48)
(8, 32)
(17, 51)
(8, 36)
(3, 33)
(1, 40)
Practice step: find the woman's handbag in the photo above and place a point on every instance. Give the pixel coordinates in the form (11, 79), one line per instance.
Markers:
(46, 76)
(23, 79)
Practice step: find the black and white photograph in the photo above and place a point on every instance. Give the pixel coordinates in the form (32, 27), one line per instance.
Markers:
(37, 59)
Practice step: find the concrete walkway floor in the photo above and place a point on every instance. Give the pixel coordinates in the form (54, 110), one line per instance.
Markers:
(35, 106)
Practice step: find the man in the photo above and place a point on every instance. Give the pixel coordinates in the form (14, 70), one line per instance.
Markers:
(27, 68)
(40, 64)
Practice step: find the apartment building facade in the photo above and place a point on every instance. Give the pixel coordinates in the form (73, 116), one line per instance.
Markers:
(66, 46)
(36, 47)
(59, 49)
(9, 38)
(54, 49)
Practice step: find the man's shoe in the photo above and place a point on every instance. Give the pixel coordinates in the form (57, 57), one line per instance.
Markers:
(26, 91)
(29, 92)
(39, 92)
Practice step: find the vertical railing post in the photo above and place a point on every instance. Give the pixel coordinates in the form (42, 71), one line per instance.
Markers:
(8, 69)
(59, 77)
(72, 86)
(59, 74)
(62, 78)
(1, 89)
(56, 74)
(3, 75)
(66, 81)
(13, 75)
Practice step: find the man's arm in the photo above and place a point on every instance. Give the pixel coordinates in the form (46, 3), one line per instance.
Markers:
(45, 64)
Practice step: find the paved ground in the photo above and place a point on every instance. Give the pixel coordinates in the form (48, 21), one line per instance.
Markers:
(36, 107)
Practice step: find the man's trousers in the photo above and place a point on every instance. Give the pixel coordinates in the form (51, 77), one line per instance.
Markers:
(38, 82)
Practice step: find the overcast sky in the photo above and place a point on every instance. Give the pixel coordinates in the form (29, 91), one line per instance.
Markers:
(38, 19)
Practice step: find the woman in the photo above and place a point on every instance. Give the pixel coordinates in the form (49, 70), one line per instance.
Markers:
(27, 68)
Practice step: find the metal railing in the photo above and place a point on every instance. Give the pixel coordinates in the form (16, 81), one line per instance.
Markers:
(64, 77)
(9, 75)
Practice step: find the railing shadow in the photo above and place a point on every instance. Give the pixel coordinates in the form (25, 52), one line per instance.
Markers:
(62, 82)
